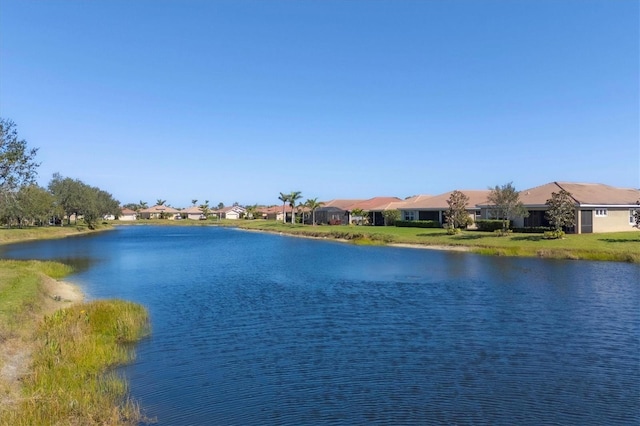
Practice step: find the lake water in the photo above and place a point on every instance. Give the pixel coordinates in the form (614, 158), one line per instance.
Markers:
(255, 329)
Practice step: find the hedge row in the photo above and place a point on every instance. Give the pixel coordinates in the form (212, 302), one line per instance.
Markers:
(490, 225)
(418, 223)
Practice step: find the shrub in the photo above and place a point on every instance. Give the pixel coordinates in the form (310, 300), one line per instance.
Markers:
(532, 230)
(418, 223)
(489, 225)
(553, 235)
(502, 232)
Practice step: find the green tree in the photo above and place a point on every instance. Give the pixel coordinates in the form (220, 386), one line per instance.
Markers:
(293, 197)
(636, 215)
(284, 198)
(17, 162)
(358, 212)
(206, 211)
(96, 204)
(561, 210)
(391, 217)
(160, 202)
(36, 203)
(504, 204)
(313, 204)
(194, 201)
(456, 215)
(251, 211)
(68, 195)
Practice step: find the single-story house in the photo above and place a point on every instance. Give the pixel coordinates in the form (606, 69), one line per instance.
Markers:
(127, 214)
(231, 212)
(599, 207)
(335, 212)
(193, 213)
(428, 207)
(374, 208)
(160, 212)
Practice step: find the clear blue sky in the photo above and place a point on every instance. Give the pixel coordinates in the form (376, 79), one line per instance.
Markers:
(240, 100)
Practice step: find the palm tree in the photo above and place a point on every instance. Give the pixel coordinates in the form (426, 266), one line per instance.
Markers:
(160, 202)
(293, 197)
(313, 204)
(194, 201)
(284, 198)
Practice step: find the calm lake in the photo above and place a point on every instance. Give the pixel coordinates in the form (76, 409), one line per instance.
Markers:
(254, 329)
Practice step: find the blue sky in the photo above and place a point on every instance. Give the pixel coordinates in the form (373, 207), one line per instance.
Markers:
(239, 100)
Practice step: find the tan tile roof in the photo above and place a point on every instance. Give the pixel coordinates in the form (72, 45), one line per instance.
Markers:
(192, 210)
(127, 211)
(341, 203)
(582, 193)
(376, 203)
(439, 202)
(160, 209)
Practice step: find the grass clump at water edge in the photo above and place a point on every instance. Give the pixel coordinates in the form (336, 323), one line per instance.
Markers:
(56, 369)
(69, 380)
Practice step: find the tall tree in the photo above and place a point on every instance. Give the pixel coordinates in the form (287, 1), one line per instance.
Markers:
(206, 211)
(457, 216)
(504, 203)
(68, 194)
(17, 162)
(313, 204)
(194, 201)
(293, 197)
(284, 198)
(160, 202)
(561, 210)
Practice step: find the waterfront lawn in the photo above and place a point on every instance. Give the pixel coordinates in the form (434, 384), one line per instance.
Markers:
(618, 246)
(30, 233)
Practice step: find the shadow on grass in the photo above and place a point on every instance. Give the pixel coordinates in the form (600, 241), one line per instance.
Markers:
(618, 240)
(464, 237)
(528, 238)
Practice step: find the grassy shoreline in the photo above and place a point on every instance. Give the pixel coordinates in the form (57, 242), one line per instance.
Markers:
(616, 247)
(57, 354)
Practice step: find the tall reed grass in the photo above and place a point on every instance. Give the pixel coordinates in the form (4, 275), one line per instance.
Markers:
(71, 380)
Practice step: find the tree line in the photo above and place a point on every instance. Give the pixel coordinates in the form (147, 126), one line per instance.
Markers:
(23, 202)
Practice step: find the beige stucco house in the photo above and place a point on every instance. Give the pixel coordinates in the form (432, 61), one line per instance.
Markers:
(599, 207)
(160, 212)
(434, 207)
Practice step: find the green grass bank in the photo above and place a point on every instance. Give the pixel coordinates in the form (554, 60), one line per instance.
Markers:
(617, 247)
(57, 355)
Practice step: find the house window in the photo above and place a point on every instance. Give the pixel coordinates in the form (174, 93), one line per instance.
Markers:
(601, 212)
(409, 215)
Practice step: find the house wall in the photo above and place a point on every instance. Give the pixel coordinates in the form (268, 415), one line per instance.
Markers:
(127, 217)
(232, 215)
(616, 220)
